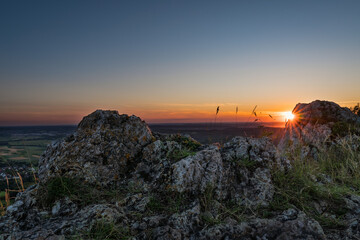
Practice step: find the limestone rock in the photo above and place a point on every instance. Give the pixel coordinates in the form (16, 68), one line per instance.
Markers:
(247, 170)
(105, 146)
(197, 172)
(298, 227)
(315, 123)
(157, 186)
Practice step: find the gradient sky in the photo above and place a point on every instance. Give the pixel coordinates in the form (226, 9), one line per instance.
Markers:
(174, 61)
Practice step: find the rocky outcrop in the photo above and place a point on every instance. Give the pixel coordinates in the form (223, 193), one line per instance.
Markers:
(315, 123)
(115, 177)
(104, 147)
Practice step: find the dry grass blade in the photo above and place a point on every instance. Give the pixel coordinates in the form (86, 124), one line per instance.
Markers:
(253, 111)
(2, 209)
(7, 197)
(7, 181)
(21, 181)
(35, 178)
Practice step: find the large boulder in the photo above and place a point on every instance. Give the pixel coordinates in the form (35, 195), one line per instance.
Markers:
(105, 147)
(316, 122)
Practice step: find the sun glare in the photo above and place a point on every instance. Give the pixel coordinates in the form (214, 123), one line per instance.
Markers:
(288, 116)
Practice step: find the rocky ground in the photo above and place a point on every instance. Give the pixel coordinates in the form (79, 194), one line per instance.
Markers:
(115, 179)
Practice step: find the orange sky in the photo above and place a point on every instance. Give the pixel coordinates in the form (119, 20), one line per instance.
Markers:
(161, 113)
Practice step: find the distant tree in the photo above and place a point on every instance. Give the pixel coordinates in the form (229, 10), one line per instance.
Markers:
(356, 109)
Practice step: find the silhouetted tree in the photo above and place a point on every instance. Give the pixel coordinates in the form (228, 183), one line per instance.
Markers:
(356, 109)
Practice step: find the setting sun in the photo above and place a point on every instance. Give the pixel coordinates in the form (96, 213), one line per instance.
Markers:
(288, 116)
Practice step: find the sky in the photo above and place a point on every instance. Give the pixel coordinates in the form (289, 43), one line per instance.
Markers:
(174, 61)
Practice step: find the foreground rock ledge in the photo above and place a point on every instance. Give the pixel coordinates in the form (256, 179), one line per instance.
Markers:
(114, 172)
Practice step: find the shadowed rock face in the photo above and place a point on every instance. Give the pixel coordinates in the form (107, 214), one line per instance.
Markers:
(323, 112)
(166, 187)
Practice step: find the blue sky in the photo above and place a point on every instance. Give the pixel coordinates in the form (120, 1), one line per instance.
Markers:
(170, 60)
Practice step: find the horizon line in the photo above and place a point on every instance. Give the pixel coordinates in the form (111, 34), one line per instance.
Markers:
(148, 123)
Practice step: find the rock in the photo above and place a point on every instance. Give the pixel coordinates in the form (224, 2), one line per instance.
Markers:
(63, 207)
(299, 227)
(146, 185)
(187, 221)
(323, 112)
(105, 146)
(196, 173)
(315, 123)
(247, 177)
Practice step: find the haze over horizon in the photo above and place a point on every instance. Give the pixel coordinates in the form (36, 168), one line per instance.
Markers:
(174, 61)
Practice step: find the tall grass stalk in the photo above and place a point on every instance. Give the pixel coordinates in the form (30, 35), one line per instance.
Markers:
(20, 188)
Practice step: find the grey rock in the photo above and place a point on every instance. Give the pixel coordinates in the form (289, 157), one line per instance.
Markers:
(119, 153)
(313, 124)
(247, 177)
(104, 147)
(195, 173)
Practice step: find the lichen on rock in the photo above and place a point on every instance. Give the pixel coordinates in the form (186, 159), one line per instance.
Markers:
(105, 146)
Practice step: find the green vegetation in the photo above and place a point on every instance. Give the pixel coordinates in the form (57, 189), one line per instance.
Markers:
(318, 187)
(342, 129)
(214, 212)
(247, 163)
(105, 230)
(77, 191)
(188, 147)
(59, 188)
(178, 154)
(169, 202)
(186, 142)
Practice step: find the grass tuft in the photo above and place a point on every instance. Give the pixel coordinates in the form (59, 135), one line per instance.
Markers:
(78, 192)
(105, 230)
(323, 181)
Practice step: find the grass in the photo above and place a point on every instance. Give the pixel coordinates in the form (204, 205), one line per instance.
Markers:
(179, 154)
(9, 194)
(188, 147)
(334, 175)
(105, 230)
(186, 142)
(245, 162)
(220, 210)
(169, 202)
(78, 191)
(342, 129)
